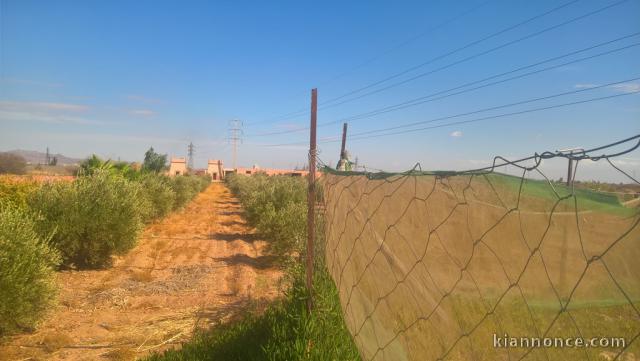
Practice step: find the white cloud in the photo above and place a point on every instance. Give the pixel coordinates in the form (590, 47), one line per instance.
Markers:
(41, 107)
(16, 116)
(622, 87)
(143, 99)
(44, 112)
(143, 112)
(626, 87)
(584, 86)
(627, 162)
(456, 134)
(32, 82)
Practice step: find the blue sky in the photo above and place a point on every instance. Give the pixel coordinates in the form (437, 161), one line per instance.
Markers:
(116, 77)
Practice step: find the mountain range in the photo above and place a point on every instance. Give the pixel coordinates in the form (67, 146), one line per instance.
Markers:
(35, 157)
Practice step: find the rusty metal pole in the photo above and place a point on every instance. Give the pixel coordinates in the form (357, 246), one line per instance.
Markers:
(344, 141)
(311, 197)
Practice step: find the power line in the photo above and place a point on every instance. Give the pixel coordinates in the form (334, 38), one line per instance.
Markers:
(471, 57)
(382, 54)
(466, 46)
(432, 97)
(499, 106)
(414, 38)
(368, 134)
(498, 116)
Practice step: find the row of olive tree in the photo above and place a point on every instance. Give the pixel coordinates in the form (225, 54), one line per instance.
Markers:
(78, 224)
(276, 206)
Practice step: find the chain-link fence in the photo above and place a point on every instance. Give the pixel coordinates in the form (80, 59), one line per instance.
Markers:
(481, 265)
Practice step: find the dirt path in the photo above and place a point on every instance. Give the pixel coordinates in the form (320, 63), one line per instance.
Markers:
(191, 270)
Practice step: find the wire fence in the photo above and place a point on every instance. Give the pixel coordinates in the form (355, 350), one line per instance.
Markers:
(480, 265)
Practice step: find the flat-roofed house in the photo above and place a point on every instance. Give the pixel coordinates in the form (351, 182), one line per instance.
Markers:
(215, 169)
(178, 166)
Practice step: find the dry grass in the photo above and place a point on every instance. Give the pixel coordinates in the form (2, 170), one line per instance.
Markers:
(153, 298)
(54, 341)
(120, 354)
(142, 276)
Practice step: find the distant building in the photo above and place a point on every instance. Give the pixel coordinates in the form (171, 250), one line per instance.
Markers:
(178, 166)
(215, 169)
(271, 171)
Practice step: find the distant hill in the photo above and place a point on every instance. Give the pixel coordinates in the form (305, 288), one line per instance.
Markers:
(35, 157)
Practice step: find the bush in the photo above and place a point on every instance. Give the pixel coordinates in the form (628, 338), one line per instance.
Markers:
(93, 218)
(187, 187)
(27, 284)
(159, 195)
(12, 163)
(276, 206)
(16, 191)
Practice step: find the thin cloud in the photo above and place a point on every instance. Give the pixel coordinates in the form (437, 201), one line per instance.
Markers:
(456, 134)
(626, 87)
(627, 162)
(620, 88)
(584, 86)
(142, 99)
(32, 82)
(16, 116)
(44, 112)
(143, 112)
(41, 107)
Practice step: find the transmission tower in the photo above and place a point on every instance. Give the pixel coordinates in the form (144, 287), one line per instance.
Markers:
(190, 152)
(235, 136)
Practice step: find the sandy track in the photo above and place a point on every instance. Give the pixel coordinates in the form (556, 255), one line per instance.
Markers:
(193, 269)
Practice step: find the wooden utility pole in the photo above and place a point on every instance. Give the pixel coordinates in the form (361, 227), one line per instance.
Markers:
(311, 197)
(570, 172)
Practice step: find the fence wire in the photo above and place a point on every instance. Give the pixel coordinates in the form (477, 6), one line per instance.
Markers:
(480, 265)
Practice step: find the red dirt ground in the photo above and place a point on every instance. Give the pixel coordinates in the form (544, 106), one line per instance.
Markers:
(194, 269)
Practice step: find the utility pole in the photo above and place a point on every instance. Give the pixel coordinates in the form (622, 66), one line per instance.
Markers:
(311, 196)
(235, 135)
(190, 152)
(48, 157)
(343, 163)
(569, 152)
(343, 155)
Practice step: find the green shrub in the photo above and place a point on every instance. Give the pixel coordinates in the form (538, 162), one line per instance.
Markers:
(276, 206)
(93, 218)
(204, 182)
(187, 187)
(183, 190)
(157, 191)
(27, 279)
(16, 191)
